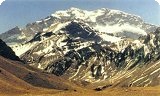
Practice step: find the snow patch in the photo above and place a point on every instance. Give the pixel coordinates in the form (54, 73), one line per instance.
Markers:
(112, 39)
(117, 28)
(155, 71)
(158, 1)
(20, 49)
(1, 1)
(55, 27)
(49, 48)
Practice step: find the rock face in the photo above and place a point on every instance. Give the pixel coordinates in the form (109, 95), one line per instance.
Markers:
(7, 52)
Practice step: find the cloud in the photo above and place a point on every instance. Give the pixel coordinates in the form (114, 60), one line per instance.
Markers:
(1, 1)
(158, 1)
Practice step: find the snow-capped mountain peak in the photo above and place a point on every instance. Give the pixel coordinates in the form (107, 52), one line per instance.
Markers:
(107, 20)
(114, 24)
(91, 46)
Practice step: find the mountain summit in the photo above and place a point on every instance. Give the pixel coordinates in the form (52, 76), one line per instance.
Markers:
(110, 21)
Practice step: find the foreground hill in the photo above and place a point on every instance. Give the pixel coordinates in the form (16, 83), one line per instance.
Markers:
(7, 52)
(18, 78)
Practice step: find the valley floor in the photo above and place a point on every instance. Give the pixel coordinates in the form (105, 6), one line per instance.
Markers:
(136, 91)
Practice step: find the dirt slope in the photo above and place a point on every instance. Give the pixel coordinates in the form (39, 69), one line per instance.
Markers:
(17, 78)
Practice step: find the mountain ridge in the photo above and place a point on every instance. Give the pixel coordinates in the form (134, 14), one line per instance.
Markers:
(102, 47)
(89, 17)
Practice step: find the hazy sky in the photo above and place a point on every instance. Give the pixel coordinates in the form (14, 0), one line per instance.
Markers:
(20, 12)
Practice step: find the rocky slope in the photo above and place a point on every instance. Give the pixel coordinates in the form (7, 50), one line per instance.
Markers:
(20, 78)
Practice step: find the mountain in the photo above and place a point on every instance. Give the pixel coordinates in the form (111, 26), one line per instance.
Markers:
(96, 49)
(15, 35)
(110, 21)
(78, 53)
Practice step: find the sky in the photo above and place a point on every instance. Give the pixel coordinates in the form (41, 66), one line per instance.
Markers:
(20, 12)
